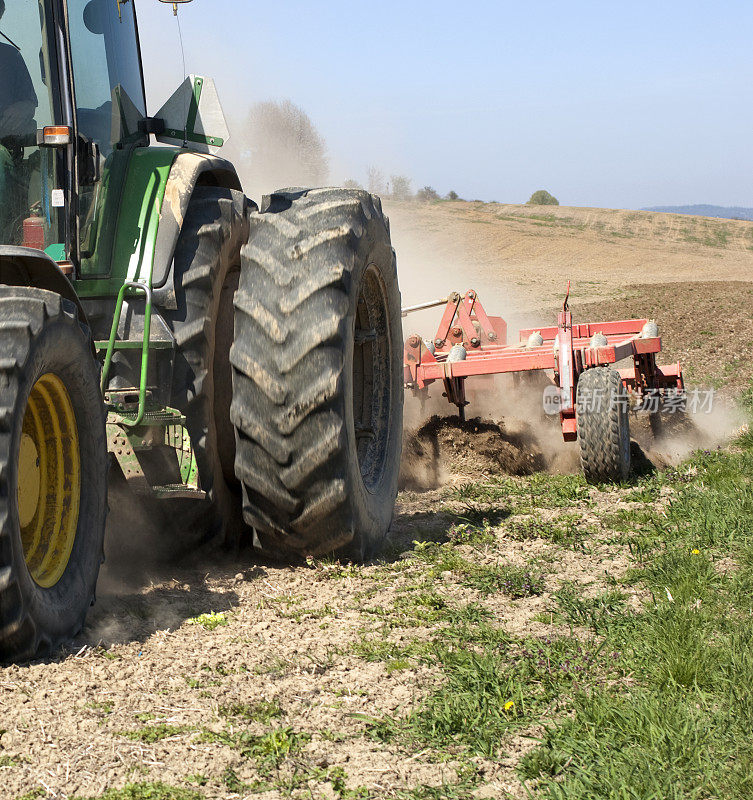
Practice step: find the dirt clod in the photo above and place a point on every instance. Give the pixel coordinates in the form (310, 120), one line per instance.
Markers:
(472, 447)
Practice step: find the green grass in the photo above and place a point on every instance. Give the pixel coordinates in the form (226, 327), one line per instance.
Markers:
(492, 690)
(154, 733)
(267, 750)
(147, 791)
(595, 613)
(641, 702)
(567, 530)
(514, 581)
(535, 491)
(679, 727)
(262, 711)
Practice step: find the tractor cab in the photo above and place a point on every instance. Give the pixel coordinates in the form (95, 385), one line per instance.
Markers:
(71, 108)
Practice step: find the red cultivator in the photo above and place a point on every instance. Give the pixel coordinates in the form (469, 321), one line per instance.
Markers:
(590, 395)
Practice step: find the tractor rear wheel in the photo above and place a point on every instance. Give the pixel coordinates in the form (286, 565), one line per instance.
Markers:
(603, 425)
(206, 270)
(53, 472)
(317, 380)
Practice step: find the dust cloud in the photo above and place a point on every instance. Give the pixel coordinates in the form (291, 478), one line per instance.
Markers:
(678, 435)
(509, 433)
(276, 146)
(154, 576)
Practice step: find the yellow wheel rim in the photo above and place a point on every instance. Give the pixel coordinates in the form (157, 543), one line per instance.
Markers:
(49, 480)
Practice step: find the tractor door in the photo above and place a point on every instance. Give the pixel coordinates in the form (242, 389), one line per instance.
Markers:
(109, 100)
(32, 190)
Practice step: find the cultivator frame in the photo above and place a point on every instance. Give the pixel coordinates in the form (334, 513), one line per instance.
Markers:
(471, 343)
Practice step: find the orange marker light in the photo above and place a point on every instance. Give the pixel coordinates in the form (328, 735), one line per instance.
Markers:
(54, 136)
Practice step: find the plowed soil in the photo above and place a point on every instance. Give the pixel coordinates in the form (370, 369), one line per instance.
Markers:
(446, 446)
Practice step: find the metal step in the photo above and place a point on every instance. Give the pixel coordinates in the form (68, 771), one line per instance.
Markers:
(173, 491)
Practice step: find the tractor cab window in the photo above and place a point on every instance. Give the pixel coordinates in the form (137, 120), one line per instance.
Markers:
(28, 174)
(110, 103)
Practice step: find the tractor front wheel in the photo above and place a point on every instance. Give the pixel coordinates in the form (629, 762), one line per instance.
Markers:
(53, 472)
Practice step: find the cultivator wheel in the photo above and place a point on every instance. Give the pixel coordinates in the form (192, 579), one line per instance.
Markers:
(603, 425)
(207, 268)
(318, 384)
(53, 472)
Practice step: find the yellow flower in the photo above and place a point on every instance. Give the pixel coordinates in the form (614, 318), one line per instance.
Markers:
(509, 705)
(695, 552)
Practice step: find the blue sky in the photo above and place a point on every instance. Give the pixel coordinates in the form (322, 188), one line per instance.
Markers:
(615, 104)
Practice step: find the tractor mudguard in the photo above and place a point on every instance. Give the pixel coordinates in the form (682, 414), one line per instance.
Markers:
(23, 266)
(188, 171)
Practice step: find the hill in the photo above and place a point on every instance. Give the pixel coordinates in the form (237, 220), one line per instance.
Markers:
(723, 212)
(693, 274)
(523, 255)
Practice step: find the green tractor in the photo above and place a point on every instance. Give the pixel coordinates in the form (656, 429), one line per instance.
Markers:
(238, 367)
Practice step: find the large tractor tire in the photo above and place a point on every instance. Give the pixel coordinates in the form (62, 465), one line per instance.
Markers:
(317, 382)
(206, 270)
(603, 426)
(53, 472)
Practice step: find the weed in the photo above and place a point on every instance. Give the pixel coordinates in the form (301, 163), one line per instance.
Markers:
(472, 533)
(568, 530)
(488, 693)
(262, 711)
(148, 791)
(536, 491)
(232, 782)
(332, 736)
(268, 750)
(105, 706)
(514, 581)
(646, 492)
(209, 621)
(153, 733)
(333, 569)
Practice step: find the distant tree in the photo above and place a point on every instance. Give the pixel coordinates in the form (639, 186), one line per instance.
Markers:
(276, 146)
(542, 198)
(427, 194)
(453, 195)
(376, 181)
(401, 187)
(352, 184)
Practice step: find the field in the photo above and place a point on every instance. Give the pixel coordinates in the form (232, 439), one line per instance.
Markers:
(524, 634)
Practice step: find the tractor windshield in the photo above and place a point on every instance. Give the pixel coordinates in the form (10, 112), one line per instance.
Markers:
(27, 174)
(110, 103)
